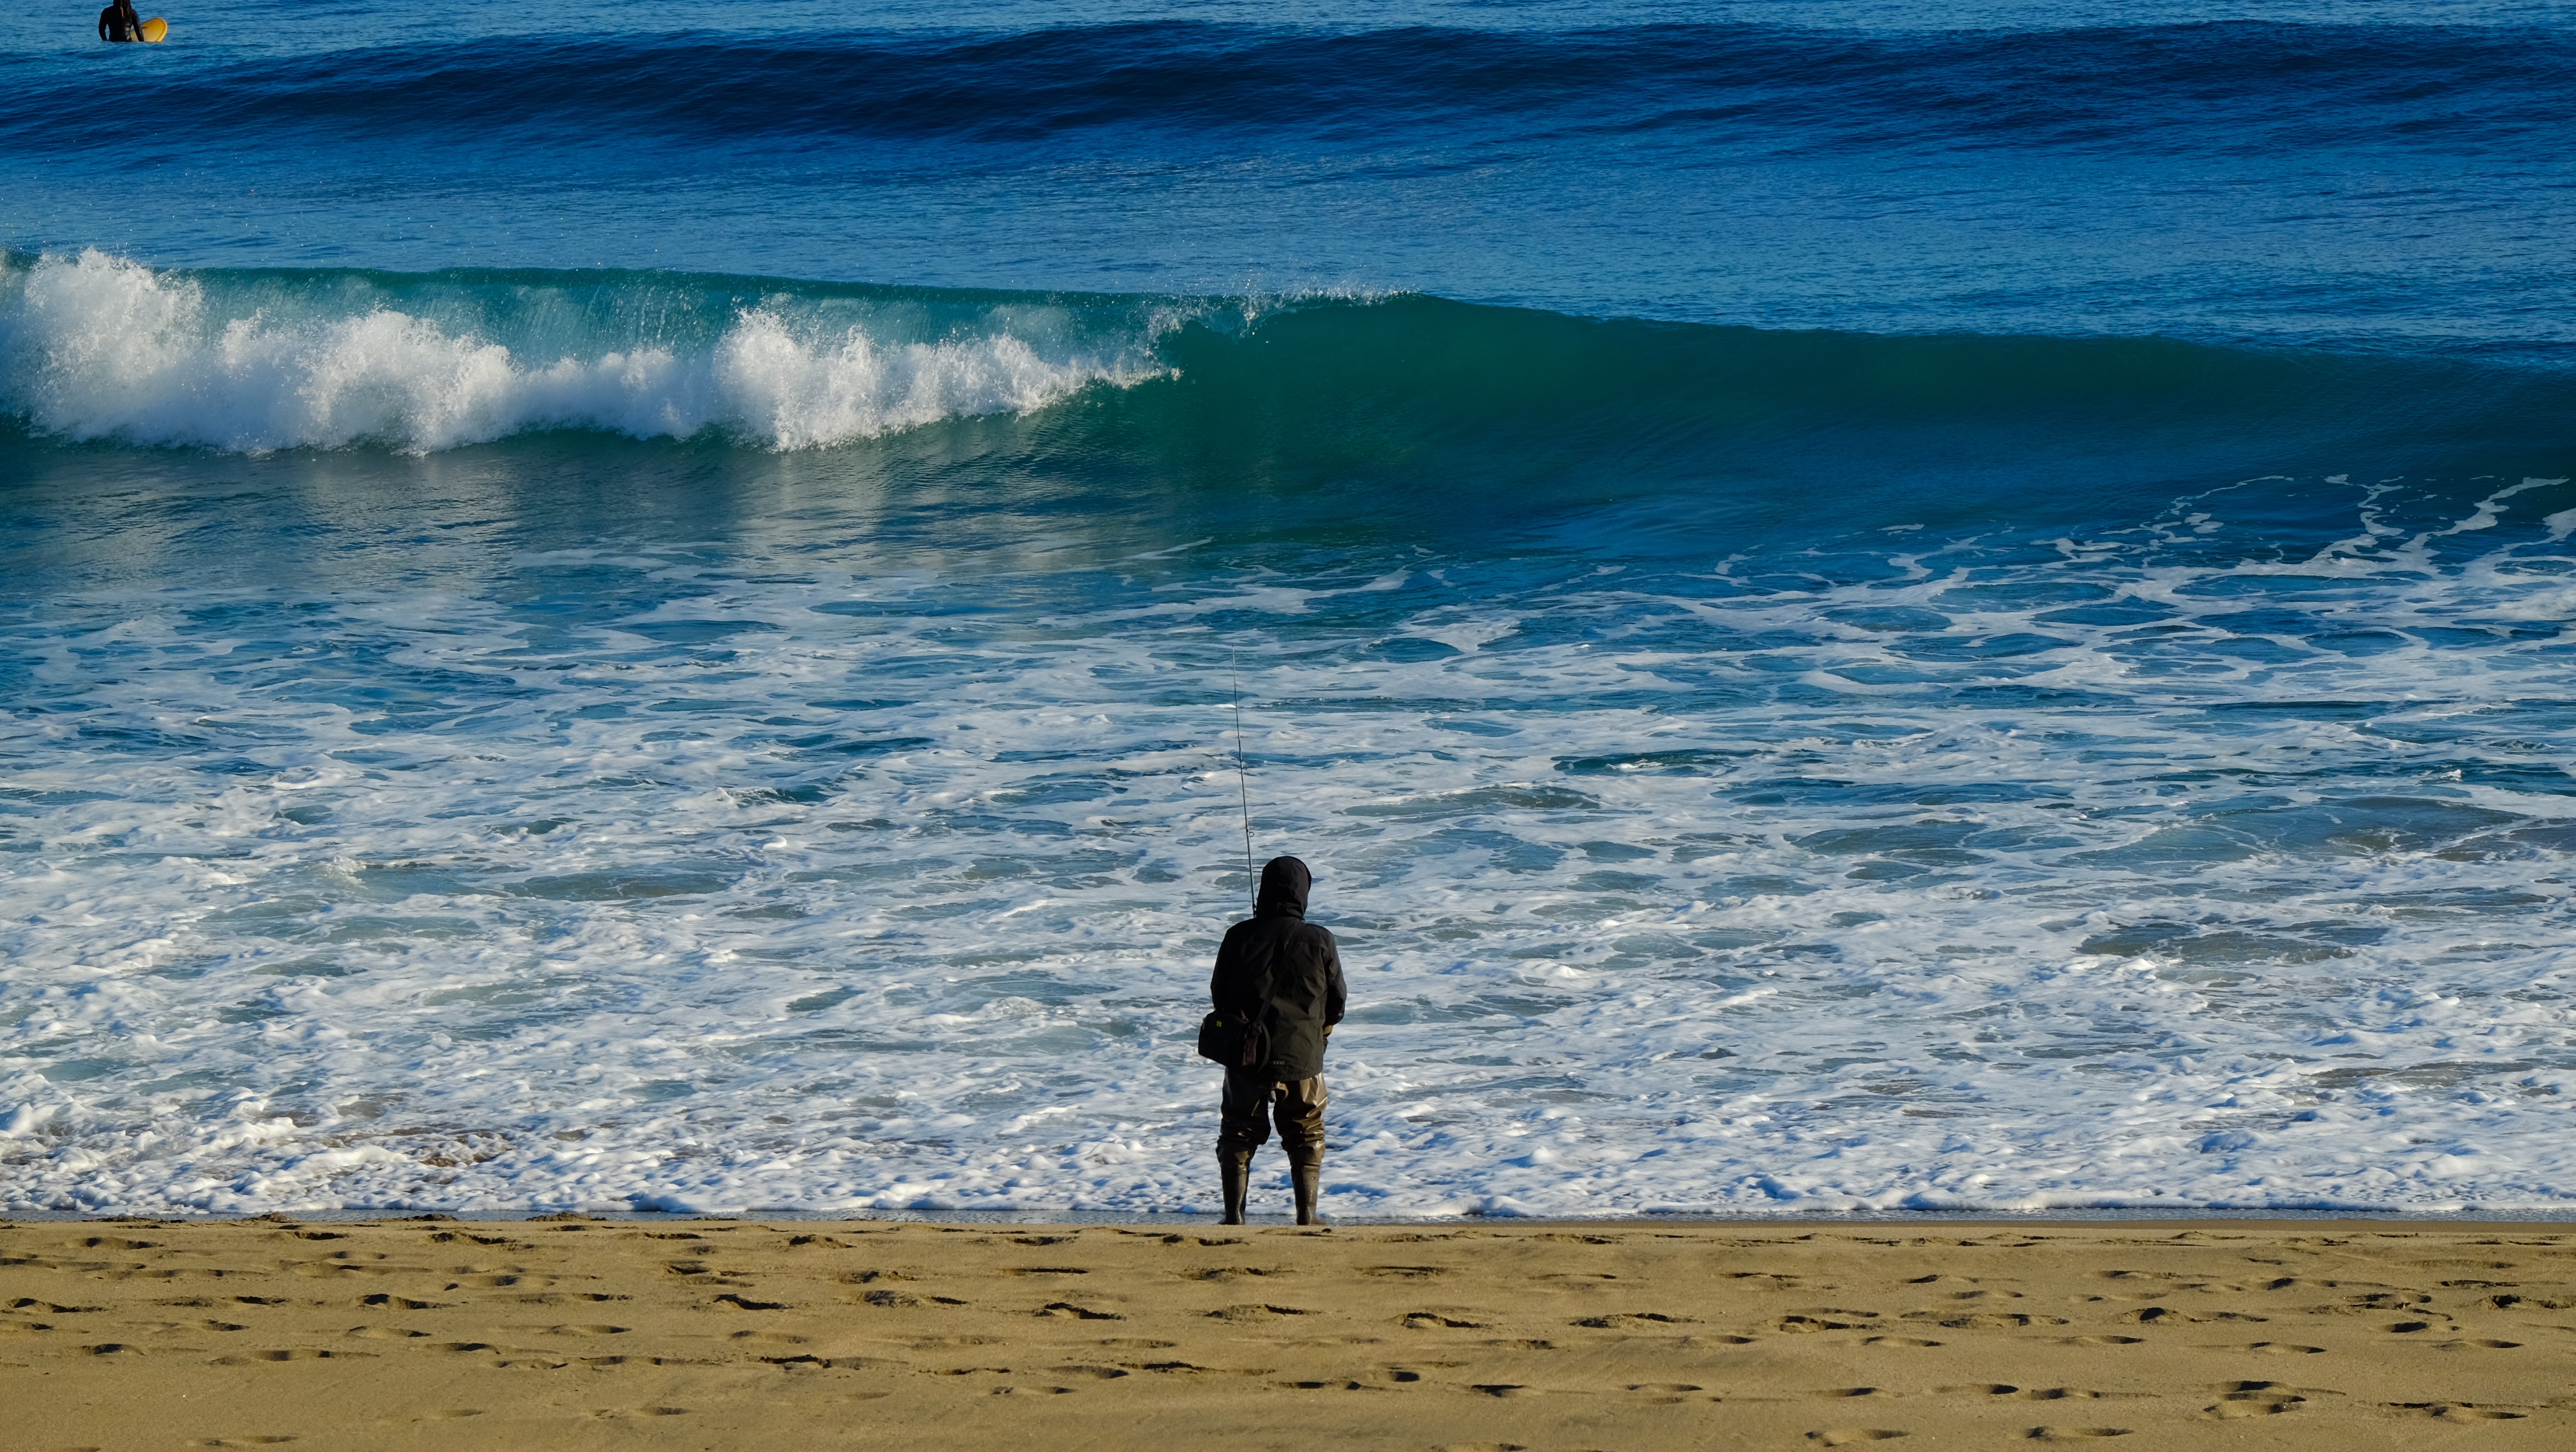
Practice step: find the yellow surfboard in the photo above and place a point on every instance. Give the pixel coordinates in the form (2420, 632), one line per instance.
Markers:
(155, 28)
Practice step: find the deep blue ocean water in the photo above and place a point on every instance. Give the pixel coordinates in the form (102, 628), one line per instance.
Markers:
(1856, 606)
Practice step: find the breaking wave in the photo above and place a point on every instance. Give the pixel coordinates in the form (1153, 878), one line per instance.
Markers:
(94, 347)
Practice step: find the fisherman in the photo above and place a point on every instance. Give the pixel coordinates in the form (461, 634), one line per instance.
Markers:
(120, 22)
(1284, 974)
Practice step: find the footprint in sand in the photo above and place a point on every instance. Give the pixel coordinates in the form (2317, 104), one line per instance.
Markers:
(2253, 1399)
(1801, 1325)
(1080, 1313)
(2159, 1316)
(1664, 1392)
(2074, 1434)
(1845, 1436)
(1225, 1273)
(2459, 1411)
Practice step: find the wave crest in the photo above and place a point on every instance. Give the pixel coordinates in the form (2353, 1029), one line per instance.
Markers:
(98, 347)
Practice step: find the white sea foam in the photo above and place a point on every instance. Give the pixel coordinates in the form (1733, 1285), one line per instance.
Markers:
(96, 347)
(799, 884)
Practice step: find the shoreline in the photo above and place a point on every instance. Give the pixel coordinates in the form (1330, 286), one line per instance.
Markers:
(1105, 1219)
(695, 1332)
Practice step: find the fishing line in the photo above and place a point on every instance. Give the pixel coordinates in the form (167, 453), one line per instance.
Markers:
(1243, 782)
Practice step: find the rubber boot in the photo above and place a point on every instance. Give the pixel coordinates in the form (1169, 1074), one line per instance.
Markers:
(1237, 1176)
(1307, 1175)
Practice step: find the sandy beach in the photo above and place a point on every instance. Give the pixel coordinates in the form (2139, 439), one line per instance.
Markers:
(575, 1333)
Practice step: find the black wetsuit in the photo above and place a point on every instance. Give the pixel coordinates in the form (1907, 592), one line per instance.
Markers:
(120, 22)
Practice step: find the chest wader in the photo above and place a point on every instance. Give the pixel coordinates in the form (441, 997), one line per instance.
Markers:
(1305, 1177)
(1252, 1102)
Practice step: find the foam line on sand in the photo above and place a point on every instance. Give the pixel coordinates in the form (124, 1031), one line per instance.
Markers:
(576, 1333)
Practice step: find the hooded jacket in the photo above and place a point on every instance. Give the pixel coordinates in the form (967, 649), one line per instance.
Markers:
(1283, 972)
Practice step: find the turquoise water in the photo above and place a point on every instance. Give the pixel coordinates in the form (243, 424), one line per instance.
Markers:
(1948, 608)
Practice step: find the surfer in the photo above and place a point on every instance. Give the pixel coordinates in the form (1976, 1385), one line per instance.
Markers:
(120, 22)
(1279, 971)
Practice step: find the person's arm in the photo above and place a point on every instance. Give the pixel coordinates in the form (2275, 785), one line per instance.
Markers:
(102, 21)
(1216, 979)
(1335, 993)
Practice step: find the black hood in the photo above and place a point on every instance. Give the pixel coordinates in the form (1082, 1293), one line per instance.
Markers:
(1284, 881)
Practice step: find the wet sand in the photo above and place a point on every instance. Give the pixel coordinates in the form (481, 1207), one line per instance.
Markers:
(579, 1333)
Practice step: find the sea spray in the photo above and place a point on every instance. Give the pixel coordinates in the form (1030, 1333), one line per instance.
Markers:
(96, 347)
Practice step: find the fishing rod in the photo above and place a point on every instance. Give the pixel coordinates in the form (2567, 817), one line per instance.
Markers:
(1243, 782)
